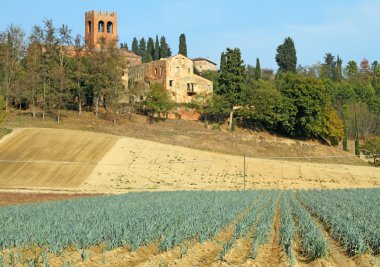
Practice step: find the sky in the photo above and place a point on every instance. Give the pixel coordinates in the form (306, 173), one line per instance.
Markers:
(348, 28)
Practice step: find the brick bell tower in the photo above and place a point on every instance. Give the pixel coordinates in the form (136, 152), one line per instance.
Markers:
(98, 26)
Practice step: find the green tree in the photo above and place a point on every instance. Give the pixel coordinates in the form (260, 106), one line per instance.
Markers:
(60, 72)
(339, 63)
(222, 61)
(261, 103)
(142, 47)
(158, 102)
(34, 69)
(113, 86)
(305, 105)
(156, 49)
(12, 50)
(231, 80)
(257, 70)
(182, 45)
(371, 149)
(231, 77)
(329, 68)
(124, 46)
(286, 56)
(3, 113)
(351, 70)
(135, 46)
(150, 48)
(164, 48)
(79, 73)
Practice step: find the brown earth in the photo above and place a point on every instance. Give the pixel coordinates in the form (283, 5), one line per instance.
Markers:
(12, 198)
(192, 134)
(78, 161)
(50, 158)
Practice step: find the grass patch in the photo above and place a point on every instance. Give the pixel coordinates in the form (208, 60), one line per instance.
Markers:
(4, 131)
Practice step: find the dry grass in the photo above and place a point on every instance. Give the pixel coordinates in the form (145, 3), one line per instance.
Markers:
(4, 131)
(190, 134)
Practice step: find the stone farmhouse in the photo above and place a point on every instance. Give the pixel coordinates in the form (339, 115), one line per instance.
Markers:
(175, 74)
(202, 65)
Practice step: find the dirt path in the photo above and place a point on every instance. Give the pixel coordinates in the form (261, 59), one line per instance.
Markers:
(336, 254)
(271, 254)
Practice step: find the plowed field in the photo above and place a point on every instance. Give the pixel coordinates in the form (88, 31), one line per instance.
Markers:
(66, 160)
(47, 158)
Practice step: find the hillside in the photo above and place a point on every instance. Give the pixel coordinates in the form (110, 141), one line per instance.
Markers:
(79, 161)
(193, 135)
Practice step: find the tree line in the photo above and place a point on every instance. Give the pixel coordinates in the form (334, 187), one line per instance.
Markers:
(326, 101)
(49, 71)
(155, 50)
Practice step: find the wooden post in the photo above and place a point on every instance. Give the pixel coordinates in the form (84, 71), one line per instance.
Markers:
(244, 173)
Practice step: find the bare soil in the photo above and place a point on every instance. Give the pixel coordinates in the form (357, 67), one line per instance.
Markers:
(192, 134)
(272, 254)
(12, 198)
(78, 161)
(50, 158)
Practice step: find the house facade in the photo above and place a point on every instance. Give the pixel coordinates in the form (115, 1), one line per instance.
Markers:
(175, 74)
(202, 65)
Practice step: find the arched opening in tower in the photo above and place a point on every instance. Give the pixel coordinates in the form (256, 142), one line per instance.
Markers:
(101, 26)
(89, 26)
(109, 27)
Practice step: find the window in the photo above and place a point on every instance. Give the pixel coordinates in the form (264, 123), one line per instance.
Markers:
(155, 71)
(89, 26)
(101, 26)
(188, 70)
(109, 27)
(171, 82)
(177, 70)
(161, 70)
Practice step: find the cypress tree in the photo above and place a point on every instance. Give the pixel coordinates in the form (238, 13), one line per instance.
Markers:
(339, 62)
(142, 47)
(357, 144)
(182, 45)
(345, 138)
(222, 61)
(150, 48)
(257, 70)
(164, 48)
(231, 76)
(135, 46)
(156, 49)
(286, 56)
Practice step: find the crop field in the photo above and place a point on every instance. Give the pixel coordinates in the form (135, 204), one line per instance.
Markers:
(197, 228)
(47, 160)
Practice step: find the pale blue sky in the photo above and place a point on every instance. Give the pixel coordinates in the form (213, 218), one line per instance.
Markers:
(350, 28)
